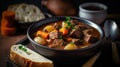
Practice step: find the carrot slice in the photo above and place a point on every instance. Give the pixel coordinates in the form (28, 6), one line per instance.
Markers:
(42, 34)
(64, 31)
(69, 39)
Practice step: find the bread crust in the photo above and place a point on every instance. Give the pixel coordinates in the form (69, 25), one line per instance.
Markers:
(25, 62)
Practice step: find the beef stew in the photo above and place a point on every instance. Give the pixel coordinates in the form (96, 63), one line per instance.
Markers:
(66, 35)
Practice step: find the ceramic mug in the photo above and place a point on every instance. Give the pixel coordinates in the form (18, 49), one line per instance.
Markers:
(96, 12)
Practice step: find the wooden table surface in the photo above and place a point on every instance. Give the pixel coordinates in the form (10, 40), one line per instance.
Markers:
(5, 44)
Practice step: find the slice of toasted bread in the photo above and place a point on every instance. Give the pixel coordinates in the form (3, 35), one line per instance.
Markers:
(28, 58)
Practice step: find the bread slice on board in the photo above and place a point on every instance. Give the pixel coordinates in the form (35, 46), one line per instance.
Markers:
(25, 57)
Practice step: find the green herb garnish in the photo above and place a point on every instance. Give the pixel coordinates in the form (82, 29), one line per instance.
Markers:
(20, 47)
(60, 37)
(23, 48)
(68, 18)
(67, 21)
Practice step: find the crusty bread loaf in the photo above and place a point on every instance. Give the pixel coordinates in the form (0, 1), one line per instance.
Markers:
(26, 12)
(28, 58)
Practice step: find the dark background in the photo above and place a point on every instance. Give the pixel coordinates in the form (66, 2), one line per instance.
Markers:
(113, 5)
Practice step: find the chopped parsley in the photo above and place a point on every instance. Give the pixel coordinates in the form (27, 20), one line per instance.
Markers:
(67, 21)
(60, 37)
(23, 48)
(68, 18)
(69, 25)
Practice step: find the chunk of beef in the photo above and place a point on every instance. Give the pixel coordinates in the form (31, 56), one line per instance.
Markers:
(56, 43)
(73, 22)
(80, 27)
(77, 41)
(49, 40)
(53, 34)
(93, 39)
(88, 37)
(77, 32)
(57, 26)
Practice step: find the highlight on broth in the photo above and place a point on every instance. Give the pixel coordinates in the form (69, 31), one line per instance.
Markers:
(66, 35)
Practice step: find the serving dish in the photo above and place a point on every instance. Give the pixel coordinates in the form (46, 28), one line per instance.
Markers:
(66, 56)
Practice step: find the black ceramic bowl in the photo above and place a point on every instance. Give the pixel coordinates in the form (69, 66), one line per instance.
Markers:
(65, 56)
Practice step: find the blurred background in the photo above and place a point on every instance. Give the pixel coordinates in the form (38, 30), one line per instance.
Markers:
(113, 5)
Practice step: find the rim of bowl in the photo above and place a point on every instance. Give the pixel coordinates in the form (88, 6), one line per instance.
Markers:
(88, 22)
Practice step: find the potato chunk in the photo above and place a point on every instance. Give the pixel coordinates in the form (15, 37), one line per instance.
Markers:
(49, 28)
(70, 46)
